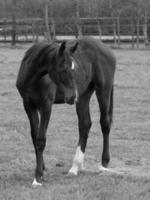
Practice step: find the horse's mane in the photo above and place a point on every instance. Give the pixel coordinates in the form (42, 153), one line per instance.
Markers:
(34, 61)
(39, 53)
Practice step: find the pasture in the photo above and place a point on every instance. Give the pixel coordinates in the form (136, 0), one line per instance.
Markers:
(129, 178)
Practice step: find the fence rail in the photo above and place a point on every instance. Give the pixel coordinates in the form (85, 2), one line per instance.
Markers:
(116, 30)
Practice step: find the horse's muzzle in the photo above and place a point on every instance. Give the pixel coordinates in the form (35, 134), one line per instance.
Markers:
(70, 100)
(73, 99)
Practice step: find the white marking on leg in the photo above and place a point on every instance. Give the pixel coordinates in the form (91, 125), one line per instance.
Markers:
(35, 183)
(103, 169)
(77, 161)
(109, 170)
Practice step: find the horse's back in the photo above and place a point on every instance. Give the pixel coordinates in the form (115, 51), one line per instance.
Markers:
(96, 62)
(94, 48)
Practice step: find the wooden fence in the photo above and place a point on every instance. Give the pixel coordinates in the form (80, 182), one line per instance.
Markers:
(118, 31)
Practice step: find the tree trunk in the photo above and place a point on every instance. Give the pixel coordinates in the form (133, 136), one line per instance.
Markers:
(52, 27)
(78, 22)
(47, 34)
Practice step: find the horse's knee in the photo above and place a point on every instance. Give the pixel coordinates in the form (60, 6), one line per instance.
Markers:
(85, 123)
(88, 124)
(105, 124)
(40, 144)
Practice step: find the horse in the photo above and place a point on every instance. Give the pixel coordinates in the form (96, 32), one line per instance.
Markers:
(67, 73)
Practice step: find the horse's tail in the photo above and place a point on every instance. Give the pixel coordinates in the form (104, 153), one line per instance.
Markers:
(111, 103)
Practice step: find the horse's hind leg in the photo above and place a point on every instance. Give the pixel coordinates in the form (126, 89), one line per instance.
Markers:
(32, 114)
(84, 123)
(105, 99)
(45, 112)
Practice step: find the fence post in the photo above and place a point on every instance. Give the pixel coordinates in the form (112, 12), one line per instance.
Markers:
(138, 32)
(99, 29)
(114, 34)
(33, 32)
(118, 30)
(14, 23)
(5, 36)
(145, 29)
(132, 29)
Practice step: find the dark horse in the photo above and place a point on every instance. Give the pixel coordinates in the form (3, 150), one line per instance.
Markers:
(68, 73)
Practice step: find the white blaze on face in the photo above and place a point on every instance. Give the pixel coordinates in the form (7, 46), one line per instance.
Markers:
(73, 65)
(77, 161)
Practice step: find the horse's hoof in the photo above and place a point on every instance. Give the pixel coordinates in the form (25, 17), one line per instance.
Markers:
(36, 183)
(73, 172)
(103, 169)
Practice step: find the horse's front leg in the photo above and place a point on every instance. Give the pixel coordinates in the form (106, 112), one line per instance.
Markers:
(84, 123)
(45, 113)
(105, 100)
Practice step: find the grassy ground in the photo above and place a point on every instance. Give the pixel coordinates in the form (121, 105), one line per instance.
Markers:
(130, 139)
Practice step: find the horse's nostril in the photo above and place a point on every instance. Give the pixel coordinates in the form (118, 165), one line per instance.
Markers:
(71, 100)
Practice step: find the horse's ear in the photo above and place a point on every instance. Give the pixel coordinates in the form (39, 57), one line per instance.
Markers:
(62, 48)
(73, 48)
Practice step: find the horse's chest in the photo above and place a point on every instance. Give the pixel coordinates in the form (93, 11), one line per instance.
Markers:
(83, 74)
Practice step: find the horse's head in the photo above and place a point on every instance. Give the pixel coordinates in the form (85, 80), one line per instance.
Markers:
(64, 70)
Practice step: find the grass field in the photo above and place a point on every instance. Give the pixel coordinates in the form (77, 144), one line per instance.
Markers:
(129, 140)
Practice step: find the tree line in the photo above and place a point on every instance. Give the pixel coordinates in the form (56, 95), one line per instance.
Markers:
(60, 12)
(66, 9)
